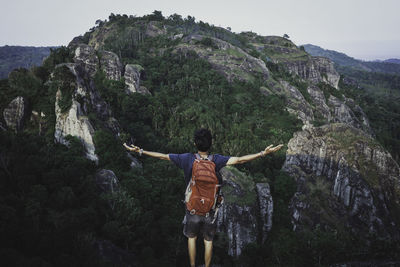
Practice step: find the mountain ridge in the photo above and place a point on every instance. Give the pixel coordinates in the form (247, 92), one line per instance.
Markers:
(389, 66)
(152, 81)
(12, 57)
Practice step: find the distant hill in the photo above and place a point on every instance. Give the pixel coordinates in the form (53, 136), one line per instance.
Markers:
(393, 60)
(390, 66)
(12, 57)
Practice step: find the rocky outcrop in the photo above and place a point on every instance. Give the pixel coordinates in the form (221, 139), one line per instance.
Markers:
(76, 124)
(229, 60)
(85, 56)
(111, 65)
(355, 116)
(107, 181)
(92, 60)
(14, 114)
(296, 103)
(132, 79)
(314, 69)
(265, 204)
(246, 216)
(341, 112)
(345, 181)
(155, 28)
(318, 98)
(327, 71)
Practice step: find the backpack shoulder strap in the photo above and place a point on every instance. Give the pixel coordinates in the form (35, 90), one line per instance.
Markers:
(197, 155)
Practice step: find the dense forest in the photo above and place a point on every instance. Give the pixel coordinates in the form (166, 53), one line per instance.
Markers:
(53, 214)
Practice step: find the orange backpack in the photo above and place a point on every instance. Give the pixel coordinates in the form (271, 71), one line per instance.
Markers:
(202, 191)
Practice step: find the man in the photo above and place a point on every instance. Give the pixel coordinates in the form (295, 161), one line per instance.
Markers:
(193, 223)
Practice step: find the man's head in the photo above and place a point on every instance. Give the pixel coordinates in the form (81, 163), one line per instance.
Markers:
(203, 139)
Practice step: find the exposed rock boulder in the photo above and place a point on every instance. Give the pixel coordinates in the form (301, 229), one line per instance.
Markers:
(313, 69)
(296, 102)
(76, 124)
(246, 216)
(93, 60)
(341, 112)
(327, 71)
(318, 99)
(155, 28)
(85, 55)
(345, 181)
(85, 98)
(14, 114)
(111, 65)
(132, 79)
(265, 204)
(360, 116)
(107, 181)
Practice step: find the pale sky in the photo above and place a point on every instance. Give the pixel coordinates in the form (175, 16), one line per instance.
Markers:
(364, 29)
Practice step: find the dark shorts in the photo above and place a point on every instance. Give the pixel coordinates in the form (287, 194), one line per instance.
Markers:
(195, 224)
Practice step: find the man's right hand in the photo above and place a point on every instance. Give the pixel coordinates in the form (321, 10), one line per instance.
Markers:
(132, 148)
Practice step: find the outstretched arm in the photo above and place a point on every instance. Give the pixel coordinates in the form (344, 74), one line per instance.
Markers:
(148, 153)
(247, 158)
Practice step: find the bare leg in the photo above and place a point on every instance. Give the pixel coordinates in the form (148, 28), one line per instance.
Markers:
(208, 245)
(192, 250)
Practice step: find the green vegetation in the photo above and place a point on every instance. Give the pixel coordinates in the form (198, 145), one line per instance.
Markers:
(65, 81)
(329, 90)
(379, 100)
(246, 184)
(52, 211)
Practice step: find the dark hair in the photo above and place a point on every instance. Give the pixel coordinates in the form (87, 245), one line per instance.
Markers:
(203, 139)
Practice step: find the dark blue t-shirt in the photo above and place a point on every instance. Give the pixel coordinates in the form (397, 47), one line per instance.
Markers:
(185, 162)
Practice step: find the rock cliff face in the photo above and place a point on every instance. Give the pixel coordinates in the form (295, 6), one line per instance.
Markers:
(93, 60)
(246, 216)
(107, 181)
(296, 102)
(345, 181)
(132, 79)
(85, 97)
(341, 112)
(74, 123)
(14, 114)
(314, 69)
(318, 98)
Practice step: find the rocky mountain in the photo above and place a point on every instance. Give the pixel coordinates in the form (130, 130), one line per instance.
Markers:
(152, 81)
(352, 178)
(12, 57)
